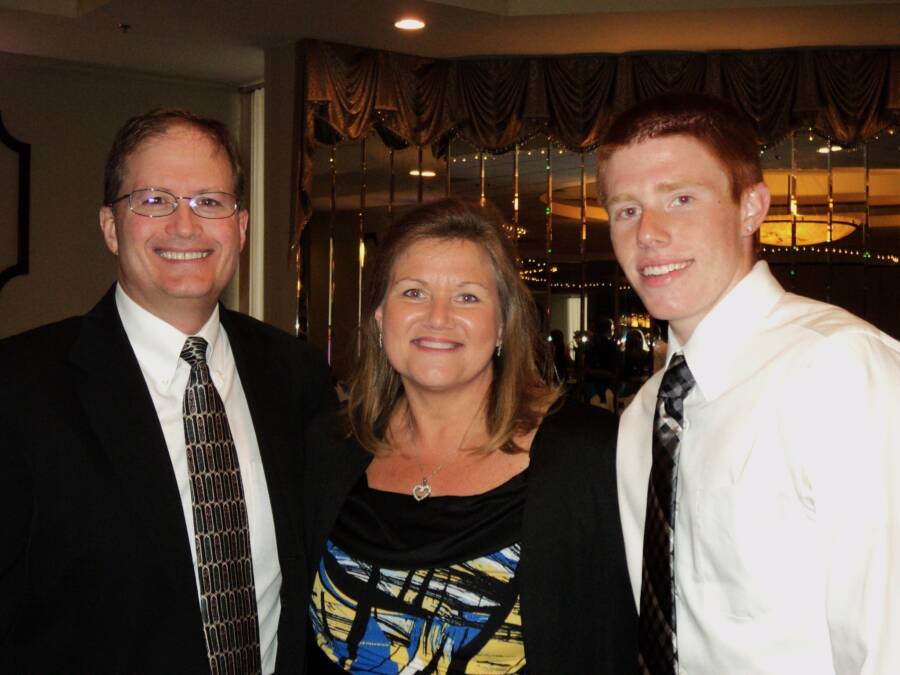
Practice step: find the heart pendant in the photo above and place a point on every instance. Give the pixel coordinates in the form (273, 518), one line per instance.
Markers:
(421, 491)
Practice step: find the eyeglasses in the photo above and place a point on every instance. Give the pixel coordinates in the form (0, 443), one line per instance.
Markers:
(156, 203)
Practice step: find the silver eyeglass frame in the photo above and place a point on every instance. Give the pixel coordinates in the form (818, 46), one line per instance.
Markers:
(178, 199)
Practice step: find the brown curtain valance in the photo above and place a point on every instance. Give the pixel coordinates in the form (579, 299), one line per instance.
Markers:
(346, 93)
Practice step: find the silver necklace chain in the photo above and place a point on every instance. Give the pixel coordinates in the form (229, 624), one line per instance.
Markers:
(421, 491)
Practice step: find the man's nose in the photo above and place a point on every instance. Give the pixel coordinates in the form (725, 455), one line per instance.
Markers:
(183, 222)
(653, 230)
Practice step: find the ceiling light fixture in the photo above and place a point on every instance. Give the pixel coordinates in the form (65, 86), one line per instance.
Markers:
(825, 149)
(426, 173)
(776, 230)
(409, 23)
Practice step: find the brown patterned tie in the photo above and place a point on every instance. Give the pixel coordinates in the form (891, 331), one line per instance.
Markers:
(657, 640)
(221, 533)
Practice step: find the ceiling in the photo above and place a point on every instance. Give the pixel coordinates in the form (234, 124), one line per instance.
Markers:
(224, 40)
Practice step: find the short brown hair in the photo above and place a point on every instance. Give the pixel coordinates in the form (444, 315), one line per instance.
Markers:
(155, 123)
(715, 123)
(519, 391)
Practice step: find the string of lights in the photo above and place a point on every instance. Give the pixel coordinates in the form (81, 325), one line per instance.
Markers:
(889, 258)
(534, 271)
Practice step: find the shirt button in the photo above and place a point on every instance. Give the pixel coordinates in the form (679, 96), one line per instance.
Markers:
(686, 425)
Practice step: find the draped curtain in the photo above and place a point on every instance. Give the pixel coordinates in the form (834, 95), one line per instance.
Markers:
(345, 93)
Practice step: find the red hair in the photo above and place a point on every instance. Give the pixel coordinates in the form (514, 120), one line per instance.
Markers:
(713, 122)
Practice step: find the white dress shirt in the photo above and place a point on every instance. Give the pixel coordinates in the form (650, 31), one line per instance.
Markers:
(157, 346)
(787, 525)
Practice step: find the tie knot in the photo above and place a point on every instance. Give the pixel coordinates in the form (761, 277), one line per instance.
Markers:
(678, 379)
(194, 350)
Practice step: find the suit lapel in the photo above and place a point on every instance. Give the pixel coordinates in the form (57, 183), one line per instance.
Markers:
(269, 401)
(123, 417)
(268, 394)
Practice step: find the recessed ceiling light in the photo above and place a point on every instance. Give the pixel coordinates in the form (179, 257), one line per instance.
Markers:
(409, 23)
(824, 149)
(426, 173)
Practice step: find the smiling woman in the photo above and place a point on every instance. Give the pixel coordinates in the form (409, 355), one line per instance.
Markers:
(455, 260)
(444, 534)
(441, 318)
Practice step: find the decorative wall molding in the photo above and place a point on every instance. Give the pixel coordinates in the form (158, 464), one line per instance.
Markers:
(21, 219)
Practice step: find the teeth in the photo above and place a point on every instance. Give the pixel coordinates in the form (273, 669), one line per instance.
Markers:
(656, 270)
(183, 255)
(436, 345)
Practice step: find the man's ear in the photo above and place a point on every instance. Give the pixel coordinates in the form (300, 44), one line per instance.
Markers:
(108, 228)
(754, 208)
(243, 219)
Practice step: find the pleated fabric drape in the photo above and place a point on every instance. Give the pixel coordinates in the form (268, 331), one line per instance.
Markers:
(346, 93)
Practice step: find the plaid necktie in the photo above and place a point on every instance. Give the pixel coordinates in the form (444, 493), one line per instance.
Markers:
(221, 533)
(658, 649)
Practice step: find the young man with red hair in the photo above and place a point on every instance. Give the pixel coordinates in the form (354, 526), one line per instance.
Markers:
(759, 479)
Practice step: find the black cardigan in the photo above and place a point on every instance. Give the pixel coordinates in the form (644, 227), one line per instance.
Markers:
(578, 613)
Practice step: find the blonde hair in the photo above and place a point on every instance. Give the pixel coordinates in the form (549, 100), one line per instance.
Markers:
(519, 393)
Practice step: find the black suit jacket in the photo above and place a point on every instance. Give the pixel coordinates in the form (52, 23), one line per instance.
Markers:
(95, 563)
(578, 613)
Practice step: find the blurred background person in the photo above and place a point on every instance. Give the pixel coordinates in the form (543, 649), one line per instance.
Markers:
(562, 363)
(658, 344)
(599, 363)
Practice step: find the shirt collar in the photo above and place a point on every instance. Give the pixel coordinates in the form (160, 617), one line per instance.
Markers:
(158, 344)
(712, 350)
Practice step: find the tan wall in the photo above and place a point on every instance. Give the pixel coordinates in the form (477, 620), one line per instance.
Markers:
(69, 115)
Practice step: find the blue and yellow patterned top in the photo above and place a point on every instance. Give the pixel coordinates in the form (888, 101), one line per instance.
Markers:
(408, 587)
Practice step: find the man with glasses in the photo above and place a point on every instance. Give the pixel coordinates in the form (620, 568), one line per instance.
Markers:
(151, 450)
